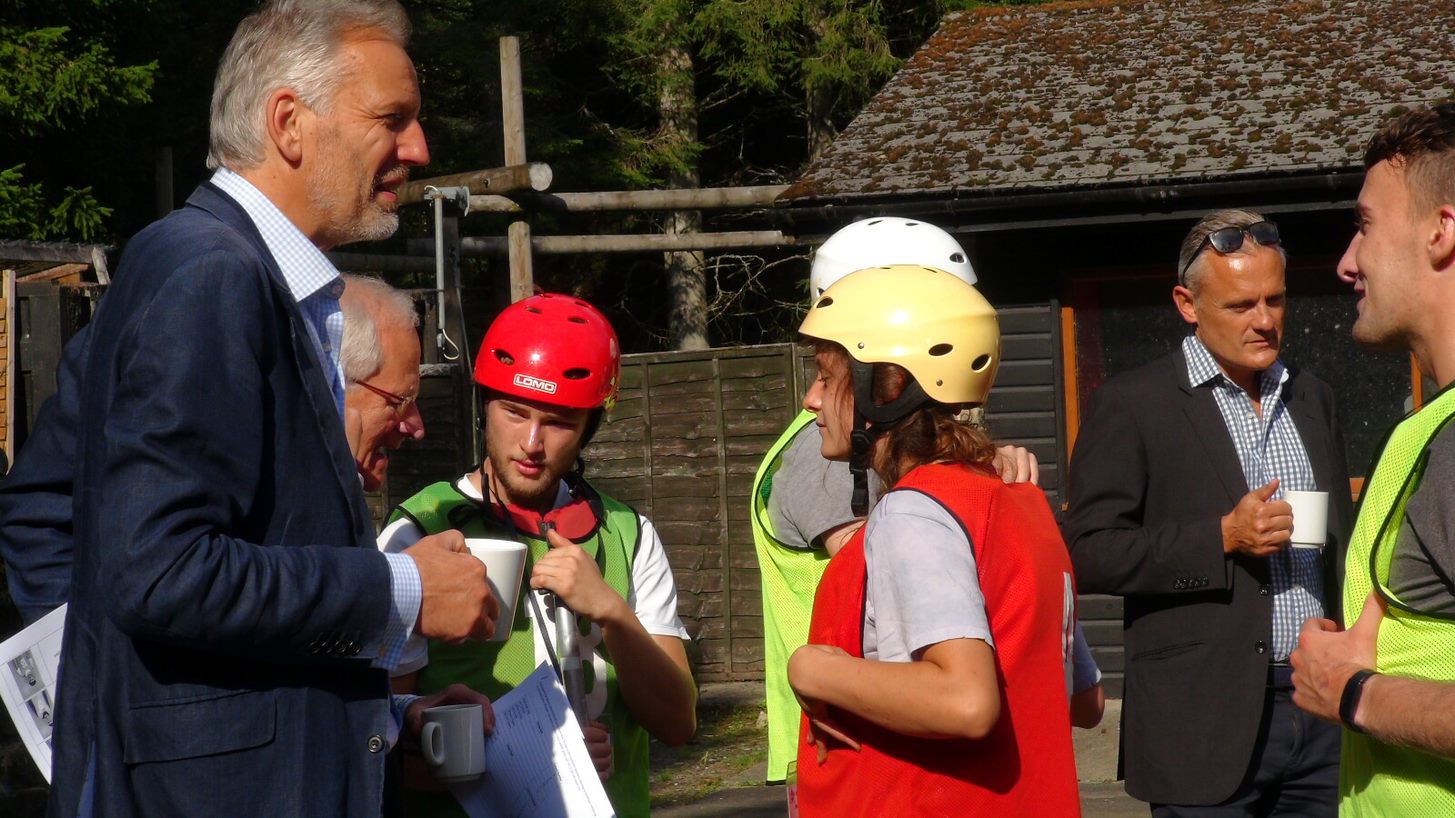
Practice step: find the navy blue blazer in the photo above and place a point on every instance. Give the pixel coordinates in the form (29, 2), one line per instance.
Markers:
(1153, 472)
(227, 594)
(35, 497)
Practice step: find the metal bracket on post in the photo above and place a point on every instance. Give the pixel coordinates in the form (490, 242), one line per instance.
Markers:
(450, 203)
(447, 257)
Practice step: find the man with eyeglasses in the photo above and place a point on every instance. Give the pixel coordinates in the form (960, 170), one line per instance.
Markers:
(1176, 505)
(380, 359)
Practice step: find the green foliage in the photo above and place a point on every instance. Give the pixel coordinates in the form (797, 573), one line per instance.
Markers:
(20, 205)
(59, 76)
(44, 86)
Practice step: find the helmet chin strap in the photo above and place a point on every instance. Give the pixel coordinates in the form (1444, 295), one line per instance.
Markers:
(883, 416)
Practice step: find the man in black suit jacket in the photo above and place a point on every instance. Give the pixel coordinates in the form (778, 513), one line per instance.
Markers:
(1175, 490)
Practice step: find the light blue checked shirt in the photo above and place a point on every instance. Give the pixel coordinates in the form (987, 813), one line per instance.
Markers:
(1268, 446)
(316, 286)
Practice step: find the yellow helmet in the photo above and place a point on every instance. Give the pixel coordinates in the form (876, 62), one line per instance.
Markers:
(933, 324)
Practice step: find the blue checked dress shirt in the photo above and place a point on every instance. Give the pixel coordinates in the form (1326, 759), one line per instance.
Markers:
(316, 286)
(1268, 446)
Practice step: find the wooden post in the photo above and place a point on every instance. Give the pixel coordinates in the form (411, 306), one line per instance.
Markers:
(512, 104)
(9, 376)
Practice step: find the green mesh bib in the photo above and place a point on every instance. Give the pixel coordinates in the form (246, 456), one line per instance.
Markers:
(789, 578)
(1378, 779)
(494, 668)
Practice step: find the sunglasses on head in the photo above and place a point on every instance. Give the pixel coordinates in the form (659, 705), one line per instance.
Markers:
(1229, 239)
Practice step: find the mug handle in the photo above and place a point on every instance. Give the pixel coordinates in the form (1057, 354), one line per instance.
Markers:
(432, 744)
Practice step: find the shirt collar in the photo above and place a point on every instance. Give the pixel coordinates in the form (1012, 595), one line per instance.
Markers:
(1202, 367)
(305, 268)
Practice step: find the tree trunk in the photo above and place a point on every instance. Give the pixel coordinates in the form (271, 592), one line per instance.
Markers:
(818, 101)
(686, 280)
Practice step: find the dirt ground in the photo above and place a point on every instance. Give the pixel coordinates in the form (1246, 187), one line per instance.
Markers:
(731, 740)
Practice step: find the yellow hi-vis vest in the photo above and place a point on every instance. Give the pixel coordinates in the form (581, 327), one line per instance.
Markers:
(789, 577)
(1375, 778)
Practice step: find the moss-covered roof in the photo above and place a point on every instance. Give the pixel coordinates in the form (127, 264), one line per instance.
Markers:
(1111, 92)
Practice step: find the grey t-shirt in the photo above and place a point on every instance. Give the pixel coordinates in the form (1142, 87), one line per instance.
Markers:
(1421, 572)
(810, 495)
(923, 588)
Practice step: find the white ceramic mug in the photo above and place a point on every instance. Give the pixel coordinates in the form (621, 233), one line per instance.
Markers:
(452, 741)
(1310, 517)
(504, 567)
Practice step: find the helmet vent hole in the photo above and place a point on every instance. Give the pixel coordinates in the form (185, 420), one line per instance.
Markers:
(534, 310)
(576, 374)
(825, 302)
(576, 319)
(958, 258)
(941, 349)
(504, 357)
(979, 364)
(875, 221)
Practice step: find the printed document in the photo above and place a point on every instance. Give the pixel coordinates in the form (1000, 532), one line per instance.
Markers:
(28, 663)
(536, 762)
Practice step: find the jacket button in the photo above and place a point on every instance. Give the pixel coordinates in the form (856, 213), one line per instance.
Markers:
(1264, 590)
(376, 744)
(1260, 647)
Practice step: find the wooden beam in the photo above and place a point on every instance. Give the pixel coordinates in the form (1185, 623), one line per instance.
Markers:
(526, 176)
(707, 198)
(61, 253)
(381, 263)
(632, 243)
(512, 110)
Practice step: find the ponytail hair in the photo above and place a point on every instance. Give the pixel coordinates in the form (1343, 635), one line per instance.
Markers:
(929, 434)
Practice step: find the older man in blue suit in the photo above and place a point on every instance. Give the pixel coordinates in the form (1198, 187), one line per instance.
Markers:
(231, 624)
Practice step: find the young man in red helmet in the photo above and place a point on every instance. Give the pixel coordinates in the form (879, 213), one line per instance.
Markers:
(547, 369)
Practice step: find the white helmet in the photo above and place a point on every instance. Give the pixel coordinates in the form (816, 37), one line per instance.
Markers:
(884, 241)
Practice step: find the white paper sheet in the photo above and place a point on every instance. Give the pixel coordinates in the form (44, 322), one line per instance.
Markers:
(536, 762)
(28, 663)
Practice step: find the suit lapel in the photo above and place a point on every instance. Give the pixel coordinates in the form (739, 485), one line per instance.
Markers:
(305, 356)
(1213, 440)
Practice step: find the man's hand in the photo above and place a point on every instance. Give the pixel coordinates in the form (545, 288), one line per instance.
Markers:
(598, 746)
(454, 694)
(1015, 464)
(571, 574)
(1258, 526)
(457, 603)
(1326, 657)
(821, 728)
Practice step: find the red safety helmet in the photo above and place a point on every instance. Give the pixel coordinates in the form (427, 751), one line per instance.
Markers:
(552, 348)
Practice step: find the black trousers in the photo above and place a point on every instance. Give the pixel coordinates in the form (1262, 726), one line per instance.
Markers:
(1295, 766)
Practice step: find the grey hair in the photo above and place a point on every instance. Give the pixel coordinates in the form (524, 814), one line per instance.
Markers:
(1190, 264)
(286, 44)
(369, 303)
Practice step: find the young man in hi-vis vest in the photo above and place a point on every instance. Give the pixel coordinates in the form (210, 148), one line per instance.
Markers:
(548, 368)
(1390, 677)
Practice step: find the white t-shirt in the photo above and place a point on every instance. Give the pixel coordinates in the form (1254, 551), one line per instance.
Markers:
(652, 596)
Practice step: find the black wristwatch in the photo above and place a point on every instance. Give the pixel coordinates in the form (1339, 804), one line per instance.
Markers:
(1349, 702)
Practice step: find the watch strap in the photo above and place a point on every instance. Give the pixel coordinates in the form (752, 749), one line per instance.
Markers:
(1349, 702)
